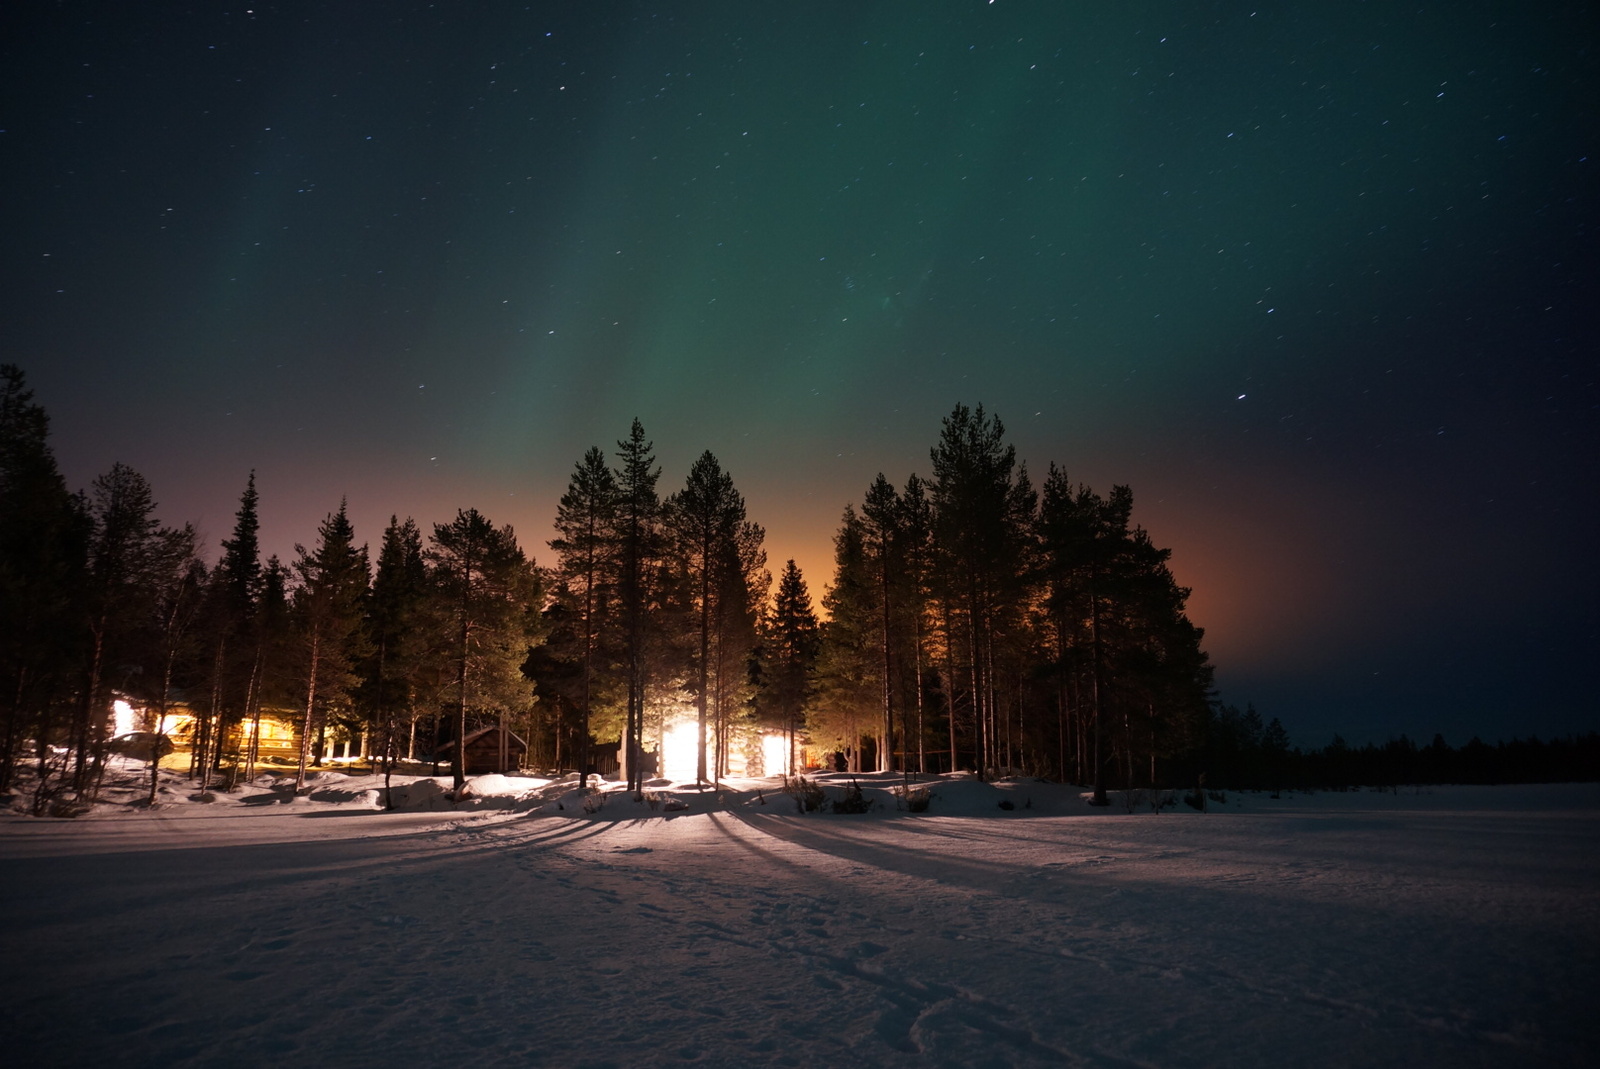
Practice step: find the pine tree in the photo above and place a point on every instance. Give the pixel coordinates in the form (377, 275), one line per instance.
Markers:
(847, 666)
(979, 504)
(638, 548)
(880, 528)
(328, 614)
(705, 518)
(123, 556)
(742, 585)
(44, 533)
(586, 520)
(1130, 677)
(179, 584)
(487, 601)
(916, 548)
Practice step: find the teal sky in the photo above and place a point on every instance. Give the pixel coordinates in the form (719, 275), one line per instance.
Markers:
(1316, 280)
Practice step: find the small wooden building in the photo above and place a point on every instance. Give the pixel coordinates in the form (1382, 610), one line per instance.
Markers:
(491, 749)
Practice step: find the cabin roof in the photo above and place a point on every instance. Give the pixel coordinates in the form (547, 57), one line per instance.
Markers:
(474, 736)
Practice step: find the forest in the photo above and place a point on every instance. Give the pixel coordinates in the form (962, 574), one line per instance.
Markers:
(973, 622)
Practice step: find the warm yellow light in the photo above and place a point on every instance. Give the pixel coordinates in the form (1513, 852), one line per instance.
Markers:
(122, 718)
(775, 755)
(680, 750)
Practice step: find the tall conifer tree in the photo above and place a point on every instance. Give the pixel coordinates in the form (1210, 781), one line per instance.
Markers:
(880, 527)
(488, 597)
(179, 588)
(396, 635)
(976, 545)
(916, 534)
(230, 611)
(638, 546)
(705, 517)
(789, 657)
(328, 614)
(124, 556)
(848, 666)
(44, 533)
(586, 521)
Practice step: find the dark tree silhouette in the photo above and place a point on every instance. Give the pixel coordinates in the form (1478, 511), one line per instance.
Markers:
(488, 600)
(328, 616)
(638, 548)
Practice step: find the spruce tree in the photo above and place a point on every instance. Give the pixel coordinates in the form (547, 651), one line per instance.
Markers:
(328, 616)
(789, 657)
(230, 611)
(396, 636)
(274, 638)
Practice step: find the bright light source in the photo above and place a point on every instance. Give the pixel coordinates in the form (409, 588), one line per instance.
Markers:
(122, 717)
(775, 755)
(680, 750)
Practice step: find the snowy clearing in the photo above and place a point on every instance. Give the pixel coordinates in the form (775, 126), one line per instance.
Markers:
(1452, 926)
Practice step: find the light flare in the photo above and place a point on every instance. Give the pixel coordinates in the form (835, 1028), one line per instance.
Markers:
(680, 750)
(775, 755)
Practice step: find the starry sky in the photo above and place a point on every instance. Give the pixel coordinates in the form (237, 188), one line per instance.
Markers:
(1317, 280)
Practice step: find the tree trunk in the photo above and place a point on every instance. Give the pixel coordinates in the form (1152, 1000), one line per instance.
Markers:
(91, 696)
(306, 721)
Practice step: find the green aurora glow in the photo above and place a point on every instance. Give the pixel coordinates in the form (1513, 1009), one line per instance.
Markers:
(1317, 280)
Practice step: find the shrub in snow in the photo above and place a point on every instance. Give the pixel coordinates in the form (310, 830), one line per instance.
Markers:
(852, 802)
(806, 793)
(917, 801)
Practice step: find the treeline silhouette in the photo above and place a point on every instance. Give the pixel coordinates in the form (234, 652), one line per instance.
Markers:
(1239, 753)
(973, 622)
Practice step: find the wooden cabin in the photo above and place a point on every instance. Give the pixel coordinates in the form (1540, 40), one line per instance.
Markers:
(491, 749)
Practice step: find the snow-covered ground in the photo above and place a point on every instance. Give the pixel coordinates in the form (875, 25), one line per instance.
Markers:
(1443, 927)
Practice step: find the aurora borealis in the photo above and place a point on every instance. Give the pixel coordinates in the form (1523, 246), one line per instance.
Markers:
(1317, 280)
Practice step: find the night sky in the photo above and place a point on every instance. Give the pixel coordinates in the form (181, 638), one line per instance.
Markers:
(1317, 280)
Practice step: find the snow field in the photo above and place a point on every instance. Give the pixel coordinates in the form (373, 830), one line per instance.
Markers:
(1456, 927)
